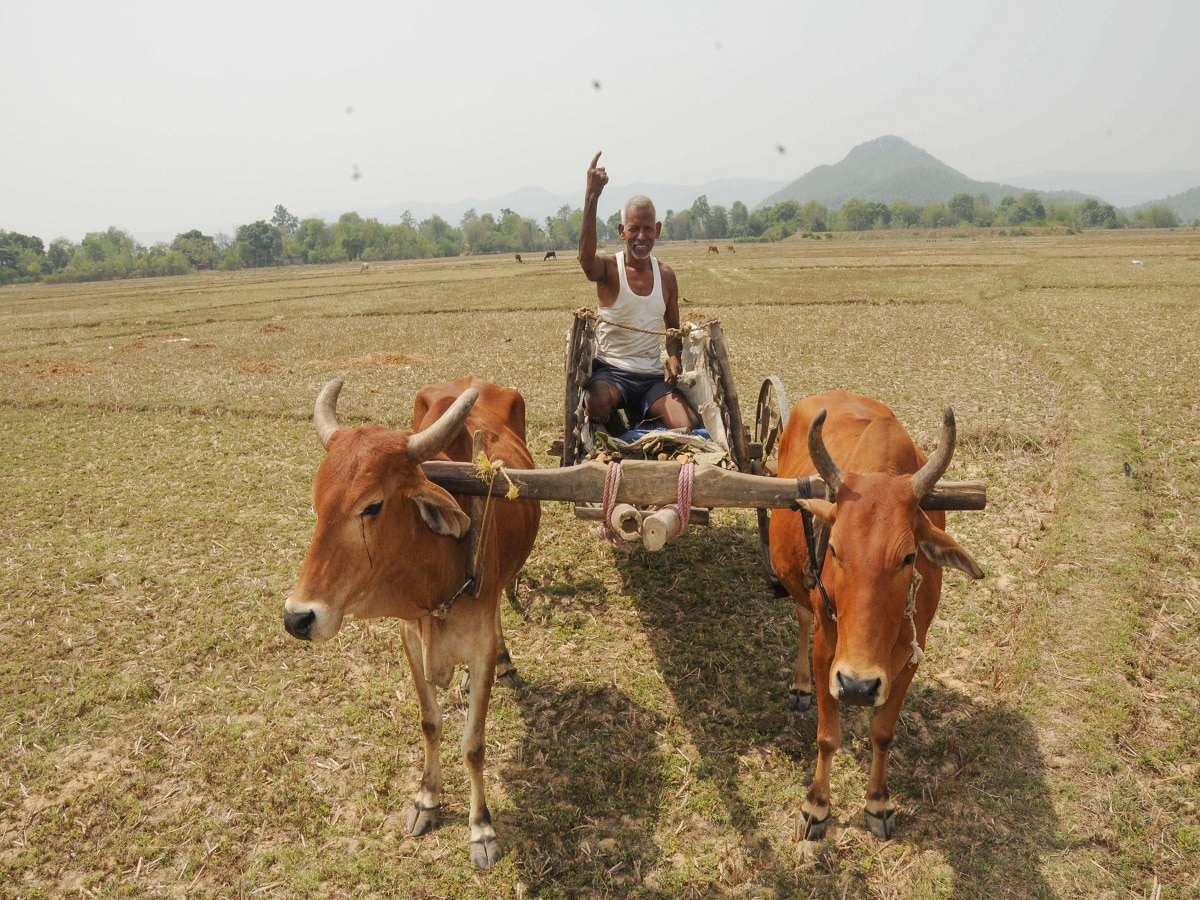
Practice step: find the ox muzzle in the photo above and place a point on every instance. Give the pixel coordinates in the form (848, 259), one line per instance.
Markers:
(857, 691)
(300, 624)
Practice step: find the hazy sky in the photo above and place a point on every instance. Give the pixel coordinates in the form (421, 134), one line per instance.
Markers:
(162, 117)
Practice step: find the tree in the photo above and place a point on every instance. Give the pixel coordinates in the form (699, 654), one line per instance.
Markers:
(258, 244)
(198, 249)
(962, 209)
(739, 220)
(284, 221)
(1157, 216)
(859, 215)
(905, 214)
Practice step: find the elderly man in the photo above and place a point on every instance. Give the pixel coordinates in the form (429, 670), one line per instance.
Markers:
(637, 296)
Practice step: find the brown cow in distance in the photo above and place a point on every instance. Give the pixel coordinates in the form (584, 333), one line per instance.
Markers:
(729, 248)
(549, 255)
(712, 248)
(389, 542)
(882, 574)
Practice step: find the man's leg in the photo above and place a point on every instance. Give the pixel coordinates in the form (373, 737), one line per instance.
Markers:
(674, 412)
(601, 398)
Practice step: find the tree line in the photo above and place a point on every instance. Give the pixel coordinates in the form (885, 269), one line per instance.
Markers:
(287, 240)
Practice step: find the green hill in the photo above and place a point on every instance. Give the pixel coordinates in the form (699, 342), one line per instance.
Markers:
(1185, 205)
(889, 169)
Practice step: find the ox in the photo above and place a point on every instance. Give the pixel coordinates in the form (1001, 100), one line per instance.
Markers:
(363, 267)
(550, 254)
(389, 542)
(712, 248)
(881, 574)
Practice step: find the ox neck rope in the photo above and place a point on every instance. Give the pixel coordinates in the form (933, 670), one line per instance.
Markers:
(909, 613)
(487, 470)
(816, 562)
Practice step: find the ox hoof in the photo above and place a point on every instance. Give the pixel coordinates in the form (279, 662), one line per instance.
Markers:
(814, 828)
(882, 825)
(421, 820)
(798, 700)
(485, 851)
(511, 679)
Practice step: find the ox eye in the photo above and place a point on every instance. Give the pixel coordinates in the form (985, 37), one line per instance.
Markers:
(832, 551)
(372, 509)
(909, 560)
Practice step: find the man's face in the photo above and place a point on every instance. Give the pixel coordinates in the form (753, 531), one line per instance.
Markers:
(639, 231)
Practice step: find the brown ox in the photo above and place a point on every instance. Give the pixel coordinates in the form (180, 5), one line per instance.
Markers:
(389, 542)
(882, 574)
(712, 248)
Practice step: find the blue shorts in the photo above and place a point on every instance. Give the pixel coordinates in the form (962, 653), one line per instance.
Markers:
(639, 391)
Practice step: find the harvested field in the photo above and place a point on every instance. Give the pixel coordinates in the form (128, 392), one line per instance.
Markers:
(160, 734)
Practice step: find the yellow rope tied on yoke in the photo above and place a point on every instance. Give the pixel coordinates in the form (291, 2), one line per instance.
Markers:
(487, 469)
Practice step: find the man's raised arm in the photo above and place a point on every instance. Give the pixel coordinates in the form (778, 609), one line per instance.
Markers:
(592, 265)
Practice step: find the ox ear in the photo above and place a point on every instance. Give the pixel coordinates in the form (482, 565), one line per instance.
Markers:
(944, 550)
(822, 509)
(441, 513)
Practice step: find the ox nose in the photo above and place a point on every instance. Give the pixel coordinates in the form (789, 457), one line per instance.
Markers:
(858, 691)
(300, 624)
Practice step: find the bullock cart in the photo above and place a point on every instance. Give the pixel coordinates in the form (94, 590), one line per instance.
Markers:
(646, 486)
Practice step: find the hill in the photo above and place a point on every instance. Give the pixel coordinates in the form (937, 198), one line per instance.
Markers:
(1186, 205)
(889, 169)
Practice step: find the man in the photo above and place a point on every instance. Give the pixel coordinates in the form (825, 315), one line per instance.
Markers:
(637, 295)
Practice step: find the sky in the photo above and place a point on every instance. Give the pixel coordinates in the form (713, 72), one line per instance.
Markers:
(158, 118)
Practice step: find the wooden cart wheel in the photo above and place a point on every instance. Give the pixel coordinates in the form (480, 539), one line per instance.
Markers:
(770, 419)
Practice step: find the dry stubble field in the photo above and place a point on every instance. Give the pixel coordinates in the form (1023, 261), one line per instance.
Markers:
(160, 735)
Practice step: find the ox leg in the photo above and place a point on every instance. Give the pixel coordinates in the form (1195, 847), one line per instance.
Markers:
(506, 671)
(879, 812)
(484, 845)
(816, 808)
(427, 800)
(800, 696)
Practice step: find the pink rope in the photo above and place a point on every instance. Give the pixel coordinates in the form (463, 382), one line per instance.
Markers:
(684, 492)
(612, 484)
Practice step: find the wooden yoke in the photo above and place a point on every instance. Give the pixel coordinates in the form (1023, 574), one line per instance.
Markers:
(655, 483)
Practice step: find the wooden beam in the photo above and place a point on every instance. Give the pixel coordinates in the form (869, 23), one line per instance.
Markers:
(654, 483)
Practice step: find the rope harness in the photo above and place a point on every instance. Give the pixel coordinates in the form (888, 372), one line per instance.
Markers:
(612, 485)
(487, 470)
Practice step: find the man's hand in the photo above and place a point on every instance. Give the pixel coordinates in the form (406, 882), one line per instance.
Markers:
(597, 178)
(672, 369)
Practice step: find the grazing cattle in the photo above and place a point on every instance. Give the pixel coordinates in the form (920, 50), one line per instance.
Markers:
(389, 542)
(518, 255)
(363, 267)
(882, 574)
(549, 255)
(729, 248)
(712, 248)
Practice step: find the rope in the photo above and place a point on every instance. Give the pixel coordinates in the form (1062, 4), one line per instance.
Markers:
(685, 329)
(918, 654)
(612, 484)
(687, 472)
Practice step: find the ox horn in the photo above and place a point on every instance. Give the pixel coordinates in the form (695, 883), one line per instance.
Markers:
(425, 445)
(830, 472)
(325, 414)
(939, 460)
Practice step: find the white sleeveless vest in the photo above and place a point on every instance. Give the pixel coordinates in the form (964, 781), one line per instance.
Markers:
(633, 351)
